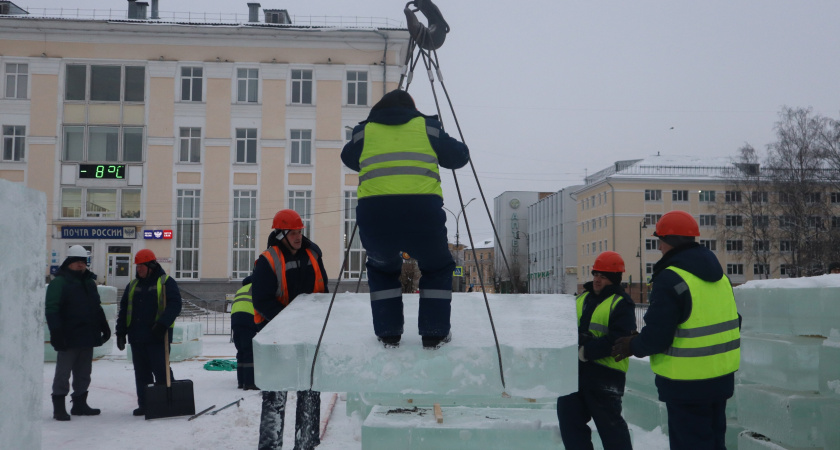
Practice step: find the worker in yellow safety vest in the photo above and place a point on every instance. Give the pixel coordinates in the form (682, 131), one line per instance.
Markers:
(243, 328)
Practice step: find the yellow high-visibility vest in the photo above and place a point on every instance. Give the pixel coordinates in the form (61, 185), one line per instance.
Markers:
(599, 326)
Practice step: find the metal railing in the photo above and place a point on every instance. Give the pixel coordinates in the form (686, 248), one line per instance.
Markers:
(212, 314)
(641, 309)
(211, 18)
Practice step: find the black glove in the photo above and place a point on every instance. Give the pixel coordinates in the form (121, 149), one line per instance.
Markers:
(622, 348)
(121, 342)
(106, 332)
(58, 341)
(159, 330)
(584, 337)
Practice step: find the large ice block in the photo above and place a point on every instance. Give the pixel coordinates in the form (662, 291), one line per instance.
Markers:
(361, 403)
(789, 417)
(640, 377)
(829, 372)
(187, 331)
(750, 440)
(644, 411)
(107, 294)
(24, 224)
(831, 430)
(788, 362)
(537, 335)
(783, 311)
(463, 428)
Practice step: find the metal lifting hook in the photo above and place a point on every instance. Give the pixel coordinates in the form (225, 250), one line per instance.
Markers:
(431, 37)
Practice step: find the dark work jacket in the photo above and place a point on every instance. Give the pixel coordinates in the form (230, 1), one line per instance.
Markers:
(593, 376)
(74, 312)
(667, 310)
(145, 307)
(299, 280)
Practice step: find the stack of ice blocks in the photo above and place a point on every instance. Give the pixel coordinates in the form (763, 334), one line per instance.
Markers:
(108, 297)
(186, 341)
(790, 363)
(393, 390)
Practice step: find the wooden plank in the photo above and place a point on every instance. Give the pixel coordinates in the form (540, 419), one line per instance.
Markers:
(438, 413)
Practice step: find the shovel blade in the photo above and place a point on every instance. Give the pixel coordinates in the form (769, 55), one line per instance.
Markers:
(162, 401)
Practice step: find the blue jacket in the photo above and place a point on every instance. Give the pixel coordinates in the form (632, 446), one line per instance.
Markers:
(593, 376)
(667, 310)
(145, 307)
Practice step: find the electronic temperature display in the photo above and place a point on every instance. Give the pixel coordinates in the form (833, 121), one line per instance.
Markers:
(102, 171)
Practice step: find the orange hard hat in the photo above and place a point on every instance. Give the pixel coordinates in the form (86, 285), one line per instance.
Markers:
(677, 223)
(608, 262)
(144, 256)
(287, 219)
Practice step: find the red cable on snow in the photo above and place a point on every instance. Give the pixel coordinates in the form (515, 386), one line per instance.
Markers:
(326, 418)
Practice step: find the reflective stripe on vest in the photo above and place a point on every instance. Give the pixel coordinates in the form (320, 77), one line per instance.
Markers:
(599, 326)
(242, 302)
(278, 265)
(398, 159)
(130, 307)
(708, 344)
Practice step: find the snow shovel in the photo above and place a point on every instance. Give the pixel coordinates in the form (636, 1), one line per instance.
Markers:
(172, 400)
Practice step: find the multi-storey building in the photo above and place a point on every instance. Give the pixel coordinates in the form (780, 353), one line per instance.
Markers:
(479, 269)
(619, 206)
(186, 137)
(552, 249)
(511, 260)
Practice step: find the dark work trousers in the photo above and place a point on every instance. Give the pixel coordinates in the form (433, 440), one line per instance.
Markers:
(574, 412)
(242, 337)
(77, 361)
(697, 426)
(384, 264)
(149, 367)
(307, 420)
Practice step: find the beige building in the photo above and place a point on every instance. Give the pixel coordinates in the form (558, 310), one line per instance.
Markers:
(479, 268)
(187, 138)
(619, 206)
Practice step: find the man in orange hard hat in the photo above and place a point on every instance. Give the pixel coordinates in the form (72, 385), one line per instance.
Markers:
(605, 313)
(146, 322)
(290, 266)
(692, 335)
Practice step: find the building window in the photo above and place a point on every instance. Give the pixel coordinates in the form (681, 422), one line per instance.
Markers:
(787, 221)
(247, 82)
(246, 145)
(835, 197)
(77, 203)
(357, 255)
(707, 196)
(786, 270)
(734, 245)
(301, 87)
(815, 222)
(785, 197)
(244, 232)
(649, 268)
(132, 144)
(130, 204)
(301, 146)
(191, 83)
(187, 233)
(711, 244)
(734, 221)
(108, 83)
(679, 196)
(761, 221)
(761, 269)
(651, 219)
(301, 202)
(835, 222)
(761, 245)
(71, 203)
(103, 144)
(759, 197)
(101, 203)
(786, 246)
(357, 87)
(734, 269)
(733, 197)
(651, 244)
(707, 220)
(14, 142)
(653, 195)
(813, 197)
(190, 145)
(17, 80)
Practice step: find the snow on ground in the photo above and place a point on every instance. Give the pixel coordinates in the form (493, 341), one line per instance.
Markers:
(112, 390)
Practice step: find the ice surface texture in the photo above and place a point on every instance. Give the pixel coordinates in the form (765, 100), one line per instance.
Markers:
(537, 335)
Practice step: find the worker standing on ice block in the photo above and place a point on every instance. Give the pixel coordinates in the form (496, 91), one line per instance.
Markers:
(692, 335)
(291, 266)
(605, 313)
(397, 152)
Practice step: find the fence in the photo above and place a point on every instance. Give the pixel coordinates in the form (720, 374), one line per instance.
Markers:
(213, 314)
(641, 309)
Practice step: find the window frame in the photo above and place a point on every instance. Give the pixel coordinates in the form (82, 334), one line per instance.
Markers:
(679, 195)
(192, 80)
(16, 76)
(653, 195)
(734, 269)
(710, 244)
(707, 196)
(359, 98)
(13, 142)
(248, 86)
(734, 245)
(733, 197)
(357, 255)
(190, 255)
(299, 85)
(191, 141)
(300, 200)
(298, 146)
(85, 143)
(246, 142)
(244, 231)
(703, 219)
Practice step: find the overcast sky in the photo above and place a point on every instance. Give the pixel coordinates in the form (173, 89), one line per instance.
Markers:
(546, 90)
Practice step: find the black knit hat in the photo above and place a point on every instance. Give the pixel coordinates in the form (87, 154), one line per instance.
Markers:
(395, 98)
(675, 241)
(614, 277)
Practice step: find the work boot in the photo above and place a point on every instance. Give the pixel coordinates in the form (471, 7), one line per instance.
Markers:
(389, 341)
(80, 406)
(59, 412)
(435, 342)
(139, 412)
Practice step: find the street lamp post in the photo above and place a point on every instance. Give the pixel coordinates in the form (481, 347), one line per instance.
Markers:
(640, 255)
(457, 235)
